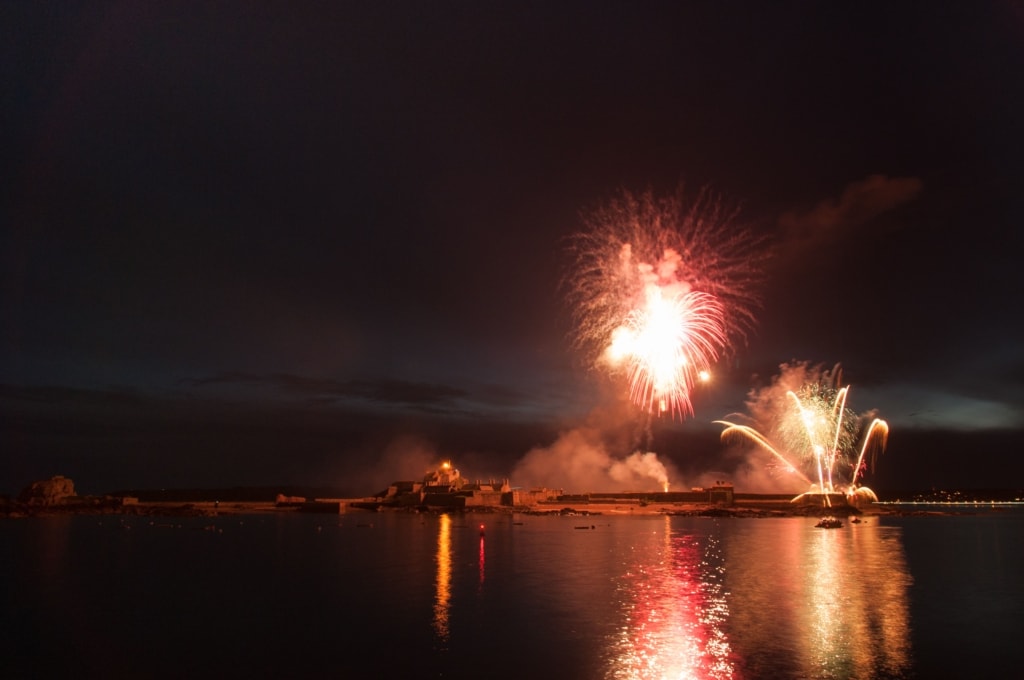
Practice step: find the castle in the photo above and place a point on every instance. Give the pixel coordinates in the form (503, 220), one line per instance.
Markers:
(445, 487)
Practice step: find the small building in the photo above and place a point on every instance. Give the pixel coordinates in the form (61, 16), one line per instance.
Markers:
(721, 493)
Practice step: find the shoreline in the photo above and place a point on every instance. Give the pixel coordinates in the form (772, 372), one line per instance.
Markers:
(738, 509)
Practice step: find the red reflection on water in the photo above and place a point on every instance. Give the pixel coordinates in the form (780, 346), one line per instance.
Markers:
(675, 614)
(481, 559)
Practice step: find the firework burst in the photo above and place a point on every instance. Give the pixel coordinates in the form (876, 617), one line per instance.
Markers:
(661, 289)
(812, 434)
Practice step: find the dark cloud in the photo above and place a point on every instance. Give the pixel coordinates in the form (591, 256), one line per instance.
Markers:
(422, 395)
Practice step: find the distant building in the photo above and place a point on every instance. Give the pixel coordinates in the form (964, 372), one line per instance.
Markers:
(53, 491)
(720, 494)
(445, 487)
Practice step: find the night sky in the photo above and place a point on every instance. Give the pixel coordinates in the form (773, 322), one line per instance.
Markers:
(292, 243)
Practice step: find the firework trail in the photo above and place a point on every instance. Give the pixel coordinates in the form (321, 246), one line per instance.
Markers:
(810, 431)
(661, 289)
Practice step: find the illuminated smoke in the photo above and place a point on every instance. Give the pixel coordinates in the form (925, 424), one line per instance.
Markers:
(579, 461)
(404, 457)
(639, 466)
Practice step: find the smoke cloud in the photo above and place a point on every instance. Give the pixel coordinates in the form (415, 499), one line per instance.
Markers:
(580, 461)
(404, 458)
(859, 203)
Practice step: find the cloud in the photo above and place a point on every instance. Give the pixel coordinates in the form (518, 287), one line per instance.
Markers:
(859, 203)
(420, 395)
(51, 395)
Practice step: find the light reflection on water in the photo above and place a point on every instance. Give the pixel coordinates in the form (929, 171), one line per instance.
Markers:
(738, 601)
(675, 610)
(444, 577)
(840, 596)
(482, 561)
(606, 597)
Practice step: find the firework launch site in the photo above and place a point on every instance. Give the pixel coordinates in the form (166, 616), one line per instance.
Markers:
(443, 489)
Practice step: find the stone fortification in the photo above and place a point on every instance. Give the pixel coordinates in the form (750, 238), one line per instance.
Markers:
(47, 492)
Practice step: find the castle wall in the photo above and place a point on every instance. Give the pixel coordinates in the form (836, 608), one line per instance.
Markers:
(484, 499)
(444, 500)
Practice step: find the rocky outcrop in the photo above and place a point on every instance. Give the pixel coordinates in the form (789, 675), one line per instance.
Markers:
(47, 492)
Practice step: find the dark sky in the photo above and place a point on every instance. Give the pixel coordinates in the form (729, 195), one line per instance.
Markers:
(266, 243)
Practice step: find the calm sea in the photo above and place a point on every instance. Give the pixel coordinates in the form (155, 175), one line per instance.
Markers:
(433, 596)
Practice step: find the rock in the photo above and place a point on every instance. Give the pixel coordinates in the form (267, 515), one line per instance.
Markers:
(47, 492)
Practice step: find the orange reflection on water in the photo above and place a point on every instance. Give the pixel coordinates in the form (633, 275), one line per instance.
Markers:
(859, 623)
(819, 602)
(444, 577)
(53, 539)
(675, 613)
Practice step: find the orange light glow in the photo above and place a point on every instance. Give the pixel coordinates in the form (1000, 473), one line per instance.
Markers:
(444, 577)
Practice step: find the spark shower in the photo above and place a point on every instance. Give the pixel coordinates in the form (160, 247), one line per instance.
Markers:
(662, 289)
(811, 434)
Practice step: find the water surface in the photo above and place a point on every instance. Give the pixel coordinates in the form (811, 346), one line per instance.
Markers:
(551, 597)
